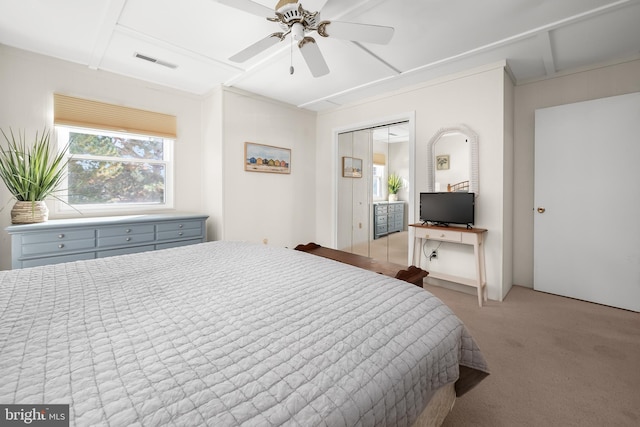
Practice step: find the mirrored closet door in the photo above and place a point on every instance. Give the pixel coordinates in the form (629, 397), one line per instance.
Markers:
(373, 192)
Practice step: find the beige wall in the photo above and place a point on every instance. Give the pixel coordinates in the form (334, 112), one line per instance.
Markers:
(209, 173)
(256, 206)
(508, 171)
(580, 86)
(475, 98)
(27, 84)
(288, 210)
(212, 164)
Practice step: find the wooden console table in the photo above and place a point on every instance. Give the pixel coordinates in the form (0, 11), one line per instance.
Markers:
(410, 274)
(463, 236)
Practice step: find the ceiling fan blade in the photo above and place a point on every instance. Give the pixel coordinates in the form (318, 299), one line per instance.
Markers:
(313, 57)
(249, 7)
(313, 5)
(257, 47)
(356, 32)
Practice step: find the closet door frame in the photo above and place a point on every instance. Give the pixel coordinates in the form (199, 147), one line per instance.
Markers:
(403, 117)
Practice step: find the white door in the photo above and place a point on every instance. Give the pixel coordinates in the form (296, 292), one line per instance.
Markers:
(587, 201)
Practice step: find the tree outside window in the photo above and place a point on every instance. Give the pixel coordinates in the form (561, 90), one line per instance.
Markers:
(116, 169)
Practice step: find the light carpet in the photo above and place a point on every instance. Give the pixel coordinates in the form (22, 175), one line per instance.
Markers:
(555, 361)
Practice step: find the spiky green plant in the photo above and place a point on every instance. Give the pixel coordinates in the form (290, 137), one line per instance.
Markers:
(395, 183)
(31, 172)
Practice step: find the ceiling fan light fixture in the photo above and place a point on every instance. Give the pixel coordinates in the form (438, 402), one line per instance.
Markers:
(299, 22)
(290, 13)
(297, 31)
(293, 12)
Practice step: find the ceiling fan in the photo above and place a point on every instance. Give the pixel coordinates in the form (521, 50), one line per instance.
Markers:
(298, 22)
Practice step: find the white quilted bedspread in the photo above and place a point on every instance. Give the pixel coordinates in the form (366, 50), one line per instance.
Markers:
(223, 334)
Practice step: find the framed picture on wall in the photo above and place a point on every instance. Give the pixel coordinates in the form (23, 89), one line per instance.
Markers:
(351, 167)
(265, 158)
(442, 162)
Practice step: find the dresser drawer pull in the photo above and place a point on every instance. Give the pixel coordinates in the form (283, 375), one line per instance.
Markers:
(128, 239)
(61, 245)
(128, 230)
(60, 236)
(180, 233)
(180, 226)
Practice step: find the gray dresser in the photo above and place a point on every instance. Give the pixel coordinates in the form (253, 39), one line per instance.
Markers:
(66, 240)
(388, 217)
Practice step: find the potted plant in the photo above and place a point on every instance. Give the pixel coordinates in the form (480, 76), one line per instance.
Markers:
(31, 172)
(394, 183)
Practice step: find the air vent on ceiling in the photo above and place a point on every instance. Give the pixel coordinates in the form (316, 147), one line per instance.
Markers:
(155, 60)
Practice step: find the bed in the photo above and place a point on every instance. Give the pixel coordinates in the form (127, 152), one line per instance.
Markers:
(229, 333)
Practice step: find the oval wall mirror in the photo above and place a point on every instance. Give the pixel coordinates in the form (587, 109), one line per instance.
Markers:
(452, 163)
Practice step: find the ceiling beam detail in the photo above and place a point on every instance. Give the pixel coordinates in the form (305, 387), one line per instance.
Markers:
(544, 40)
(521, 36)
(121, 29)
(107, 27)
(376, 57)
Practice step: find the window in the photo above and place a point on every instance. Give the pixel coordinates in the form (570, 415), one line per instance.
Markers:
(378, 175)
(112, 168)
(115, 170)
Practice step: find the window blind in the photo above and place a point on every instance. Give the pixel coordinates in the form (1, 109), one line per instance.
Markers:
(71, 111)
(379, 159)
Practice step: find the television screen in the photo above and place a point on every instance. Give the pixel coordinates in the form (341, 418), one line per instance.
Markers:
(447, 208)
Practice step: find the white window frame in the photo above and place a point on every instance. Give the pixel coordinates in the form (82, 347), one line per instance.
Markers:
(379, 178)
(61, 204)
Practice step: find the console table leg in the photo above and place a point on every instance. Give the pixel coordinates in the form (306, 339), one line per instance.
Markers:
(480, 273)
(416, 245)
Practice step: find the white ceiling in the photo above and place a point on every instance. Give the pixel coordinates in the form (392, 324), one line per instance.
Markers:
(538, 38)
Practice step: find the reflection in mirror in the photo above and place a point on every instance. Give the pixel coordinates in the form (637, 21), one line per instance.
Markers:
(452, 163)
(372, 214)
(453, 156)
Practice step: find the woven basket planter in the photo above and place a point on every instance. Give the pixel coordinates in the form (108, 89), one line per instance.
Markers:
(29, 212)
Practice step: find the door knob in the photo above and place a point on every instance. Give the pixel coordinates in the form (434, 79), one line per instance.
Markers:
(541, 209)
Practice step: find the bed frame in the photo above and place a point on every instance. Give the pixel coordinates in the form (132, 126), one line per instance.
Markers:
(411, 274)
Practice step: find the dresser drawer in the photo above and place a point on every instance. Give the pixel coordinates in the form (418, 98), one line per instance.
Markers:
(125, 240)
(56, 236)
(57, 259)
(179, 225)
(381, 219)
(179, 234)
(381, 229)
(125, 235)
(445, 235)
(381, 209)
(178, 244)
(178, 230)
(60, 246)
(125, 251)
(124, 230)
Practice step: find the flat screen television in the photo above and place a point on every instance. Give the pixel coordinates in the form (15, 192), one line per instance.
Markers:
(447, 208)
